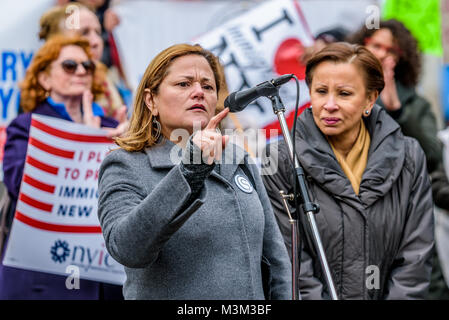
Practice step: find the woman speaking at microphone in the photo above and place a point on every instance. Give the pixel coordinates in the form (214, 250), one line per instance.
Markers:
(200, 227)
(370, 181)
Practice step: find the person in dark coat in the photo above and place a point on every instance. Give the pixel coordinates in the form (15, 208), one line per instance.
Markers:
(397, 50)
(370, 181)
(59, 83)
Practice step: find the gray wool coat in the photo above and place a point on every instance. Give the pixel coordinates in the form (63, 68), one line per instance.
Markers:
(208, 249)
(378, 243)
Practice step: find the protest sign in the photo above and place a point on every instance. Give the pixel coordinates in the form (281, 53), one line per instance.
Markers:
(282, 28)
(56, 223)
(444, 10)
(422, 18)
(445, 67)
(147, 27)
(261, 44)
(18, 41)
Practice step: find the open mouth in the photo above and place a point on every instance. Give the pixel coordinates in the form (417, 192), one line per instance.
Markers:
(198, 107)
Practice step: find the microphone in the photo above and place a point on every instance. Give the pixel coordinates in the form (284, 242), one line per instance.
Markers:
(237, 101)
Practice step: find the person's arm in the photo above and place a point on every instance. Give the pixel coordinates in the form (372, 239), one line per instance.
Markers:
(412, 266)
(17, 134)
(274, 249)
(137, 222)
(440, 188)
(277, 176)
(389, 94)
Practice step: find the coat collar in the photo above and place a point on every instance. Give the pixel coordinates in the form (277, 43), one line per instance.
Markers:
(61, 109)
(385, 158)
(46, 109)
(386, 155)
(165, 155)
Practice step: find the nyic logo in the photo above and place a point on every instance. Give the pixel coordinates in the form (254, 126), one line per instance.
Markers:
(82, 256)
(60, 251)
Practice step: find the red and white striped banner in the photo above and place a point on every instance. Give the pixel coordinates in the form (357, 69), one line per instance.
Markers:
(56, 223)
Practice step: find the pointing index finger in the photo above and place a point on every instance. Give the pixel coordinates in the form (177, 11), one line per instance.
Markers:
(215, 120)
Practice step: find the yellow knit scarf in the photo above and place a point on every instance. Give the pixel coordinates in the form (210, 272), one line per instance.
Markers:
(355, 162)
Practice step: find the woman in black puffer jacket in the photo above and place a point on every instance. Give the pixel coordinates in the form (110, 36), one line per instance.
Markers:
(371, 182)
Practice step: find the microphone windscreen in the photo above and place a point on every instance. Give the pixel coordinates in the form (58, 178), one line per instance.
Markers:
(229, 101)
(231, 104)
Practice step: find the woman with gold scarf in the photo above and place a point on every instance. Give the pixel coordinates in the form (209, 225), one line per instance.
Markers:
(370, 181)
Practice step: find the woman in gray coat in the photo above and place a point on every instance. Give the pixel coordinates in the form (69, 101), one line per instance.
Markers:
(370, 181)
(185, 213)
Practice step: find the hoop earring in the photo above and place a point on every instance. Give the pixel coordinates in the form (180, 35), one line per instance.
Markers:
(158, 129)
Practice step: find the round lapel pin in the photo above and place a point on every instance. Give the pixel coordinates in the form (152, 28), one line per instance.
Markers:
(243, 183)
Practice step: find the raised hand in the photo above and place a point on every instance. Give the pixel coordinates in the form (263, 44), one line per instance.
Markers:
(123, 123)
(88, 116)
(389, 94)
(210, 141)
(111, 20)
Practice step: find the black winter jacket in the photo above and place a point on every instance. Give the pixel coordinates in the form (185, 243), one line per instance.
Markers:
(378, 244)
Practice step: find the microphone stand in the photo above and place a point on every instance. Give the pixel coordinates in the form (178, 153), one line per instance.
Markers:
(308, 207)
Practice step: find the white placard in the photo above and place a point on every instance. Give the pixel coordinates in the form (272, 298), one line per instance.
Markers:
(259, 45)
(18, 42)
(56, 222)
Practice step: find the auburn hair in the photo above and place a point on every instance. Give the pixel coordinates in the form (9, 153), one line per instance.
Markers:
(32, 93)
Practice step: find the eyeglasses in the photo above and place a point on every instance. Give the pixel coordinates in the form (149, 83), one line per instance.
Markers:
(396, 51)
(70, 66)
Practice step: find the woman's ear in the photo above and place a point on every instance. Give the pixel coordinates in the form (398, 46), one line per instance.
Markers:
(372, 97)
(148, 98)
(371, 100)
(44, 80)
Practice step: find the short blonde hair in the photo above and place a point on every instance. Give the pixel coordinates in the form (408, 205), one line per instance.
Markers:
(51, 22)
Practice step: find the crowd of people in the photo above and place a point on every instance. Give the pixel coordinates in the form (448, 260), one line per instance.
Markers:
(210, 224)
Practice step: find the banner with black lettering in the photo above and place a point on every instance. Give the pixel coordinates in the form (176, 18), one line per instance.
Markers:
(55, 226)
(259, 45)
(254, 41)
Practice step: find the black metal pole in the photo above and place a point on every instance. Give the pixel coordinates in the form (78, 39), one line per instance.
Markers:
(309, 208)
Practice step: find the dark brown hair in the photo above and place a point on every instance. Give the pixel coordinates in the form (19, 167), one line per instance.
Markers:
(342, 52)
(409, 64)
